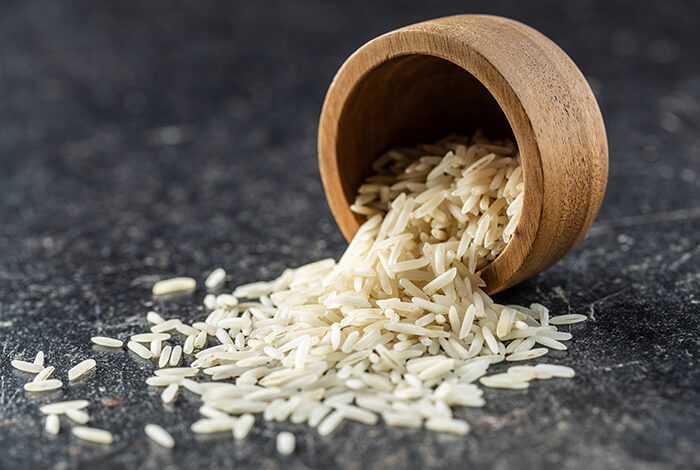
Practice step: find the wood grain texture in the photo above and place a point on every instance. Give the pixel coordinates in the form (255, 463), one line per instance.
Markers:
(458, 74)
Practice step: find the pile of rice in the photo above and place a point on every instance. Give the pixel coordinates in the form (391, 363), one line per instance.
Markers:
(398, 328)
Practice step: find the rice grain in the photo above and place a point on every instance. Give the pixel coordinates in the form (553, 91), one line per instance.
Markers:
(98, 436)
(53, 424)
(107, 342)
(215, 279)
(43, 386)
(174, 285)
(159, 435)
(81, 369)
(139, 349)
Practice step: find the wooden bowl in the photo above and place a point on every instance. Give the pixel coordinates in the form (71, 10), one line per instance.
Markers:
(462, 73)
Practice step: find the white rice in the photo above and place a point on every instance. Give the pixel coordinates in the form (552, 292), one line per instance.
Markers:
(174, 285)
(25, 366)
(164, 358)
(526, 355)
(567, 319)
(44, 374)
(81, 369)
(78, 416)
(154, 317)
(210, 301)
(555, 370)
(550, 342)
(188, 347)
(185, 329)
(399, 327)
(53, 424)
(175, 356)
(165, 380)
(177, 371)
(107, 342)
(286, 443)
(139, 349)
(215, 278)
(243, 425)
(330, 423)
(357, 414)
(208, 426)
(405, 420)
(98, 436)
(156, 347)
(159, 435)
(43, 386)
(504, 381)
(39, 358)
(61, 407)
(454, 426)
(166, 325)
(148, 337)
(200, 340)
(170, 393)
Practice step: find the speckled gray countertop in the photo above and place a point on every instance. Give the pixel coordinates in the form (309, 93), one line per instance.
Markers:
(147, 139)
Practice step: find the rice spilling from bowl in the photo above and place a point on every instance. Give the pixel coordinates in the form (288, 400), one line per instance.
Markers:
(399, 327)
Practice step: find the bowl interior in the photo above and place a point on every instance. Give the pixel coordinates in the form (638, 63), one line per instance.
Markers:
(408, 100)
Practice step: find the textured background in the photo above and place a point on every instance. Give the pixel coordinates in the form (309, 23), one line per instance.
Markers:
(148, 139)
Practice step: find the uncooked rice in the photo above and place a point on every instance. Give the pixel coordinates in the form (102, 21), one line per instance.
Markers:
(159, 435)
(286, 443)
(98, 436)
(53, 424)
(81, 369)
(39, 358)
(107, 342)
(178, 371)
(170, 392)
(215, 278)
(399, 328)
(154, 317)
(44, 374)
(148, 337)
(43, 385)
(61, 407)
(139, 349)
(164, 356)
(174, 285)
(567, 319)
(78, 416)
(164, 381)
(454, 426)
(156, 347)
(175, 356)
(25, 366)
(243, 426)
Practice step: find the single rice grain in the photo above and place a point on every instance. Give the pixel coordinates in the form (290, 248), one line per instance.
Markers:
(25, 366)
(170, 392)
(159, 435)
(78, 416)
(61, 407)
(107, 342)
(43, 386)
(98, 436)
(139, 349)
(44, 374)
(174, 285)
(285, 443)
(53, 424)
(81, 369)
(215, 278)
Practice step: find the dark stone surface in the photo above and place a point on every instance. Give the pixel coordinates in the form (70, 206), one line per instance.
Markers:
(98, 197)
